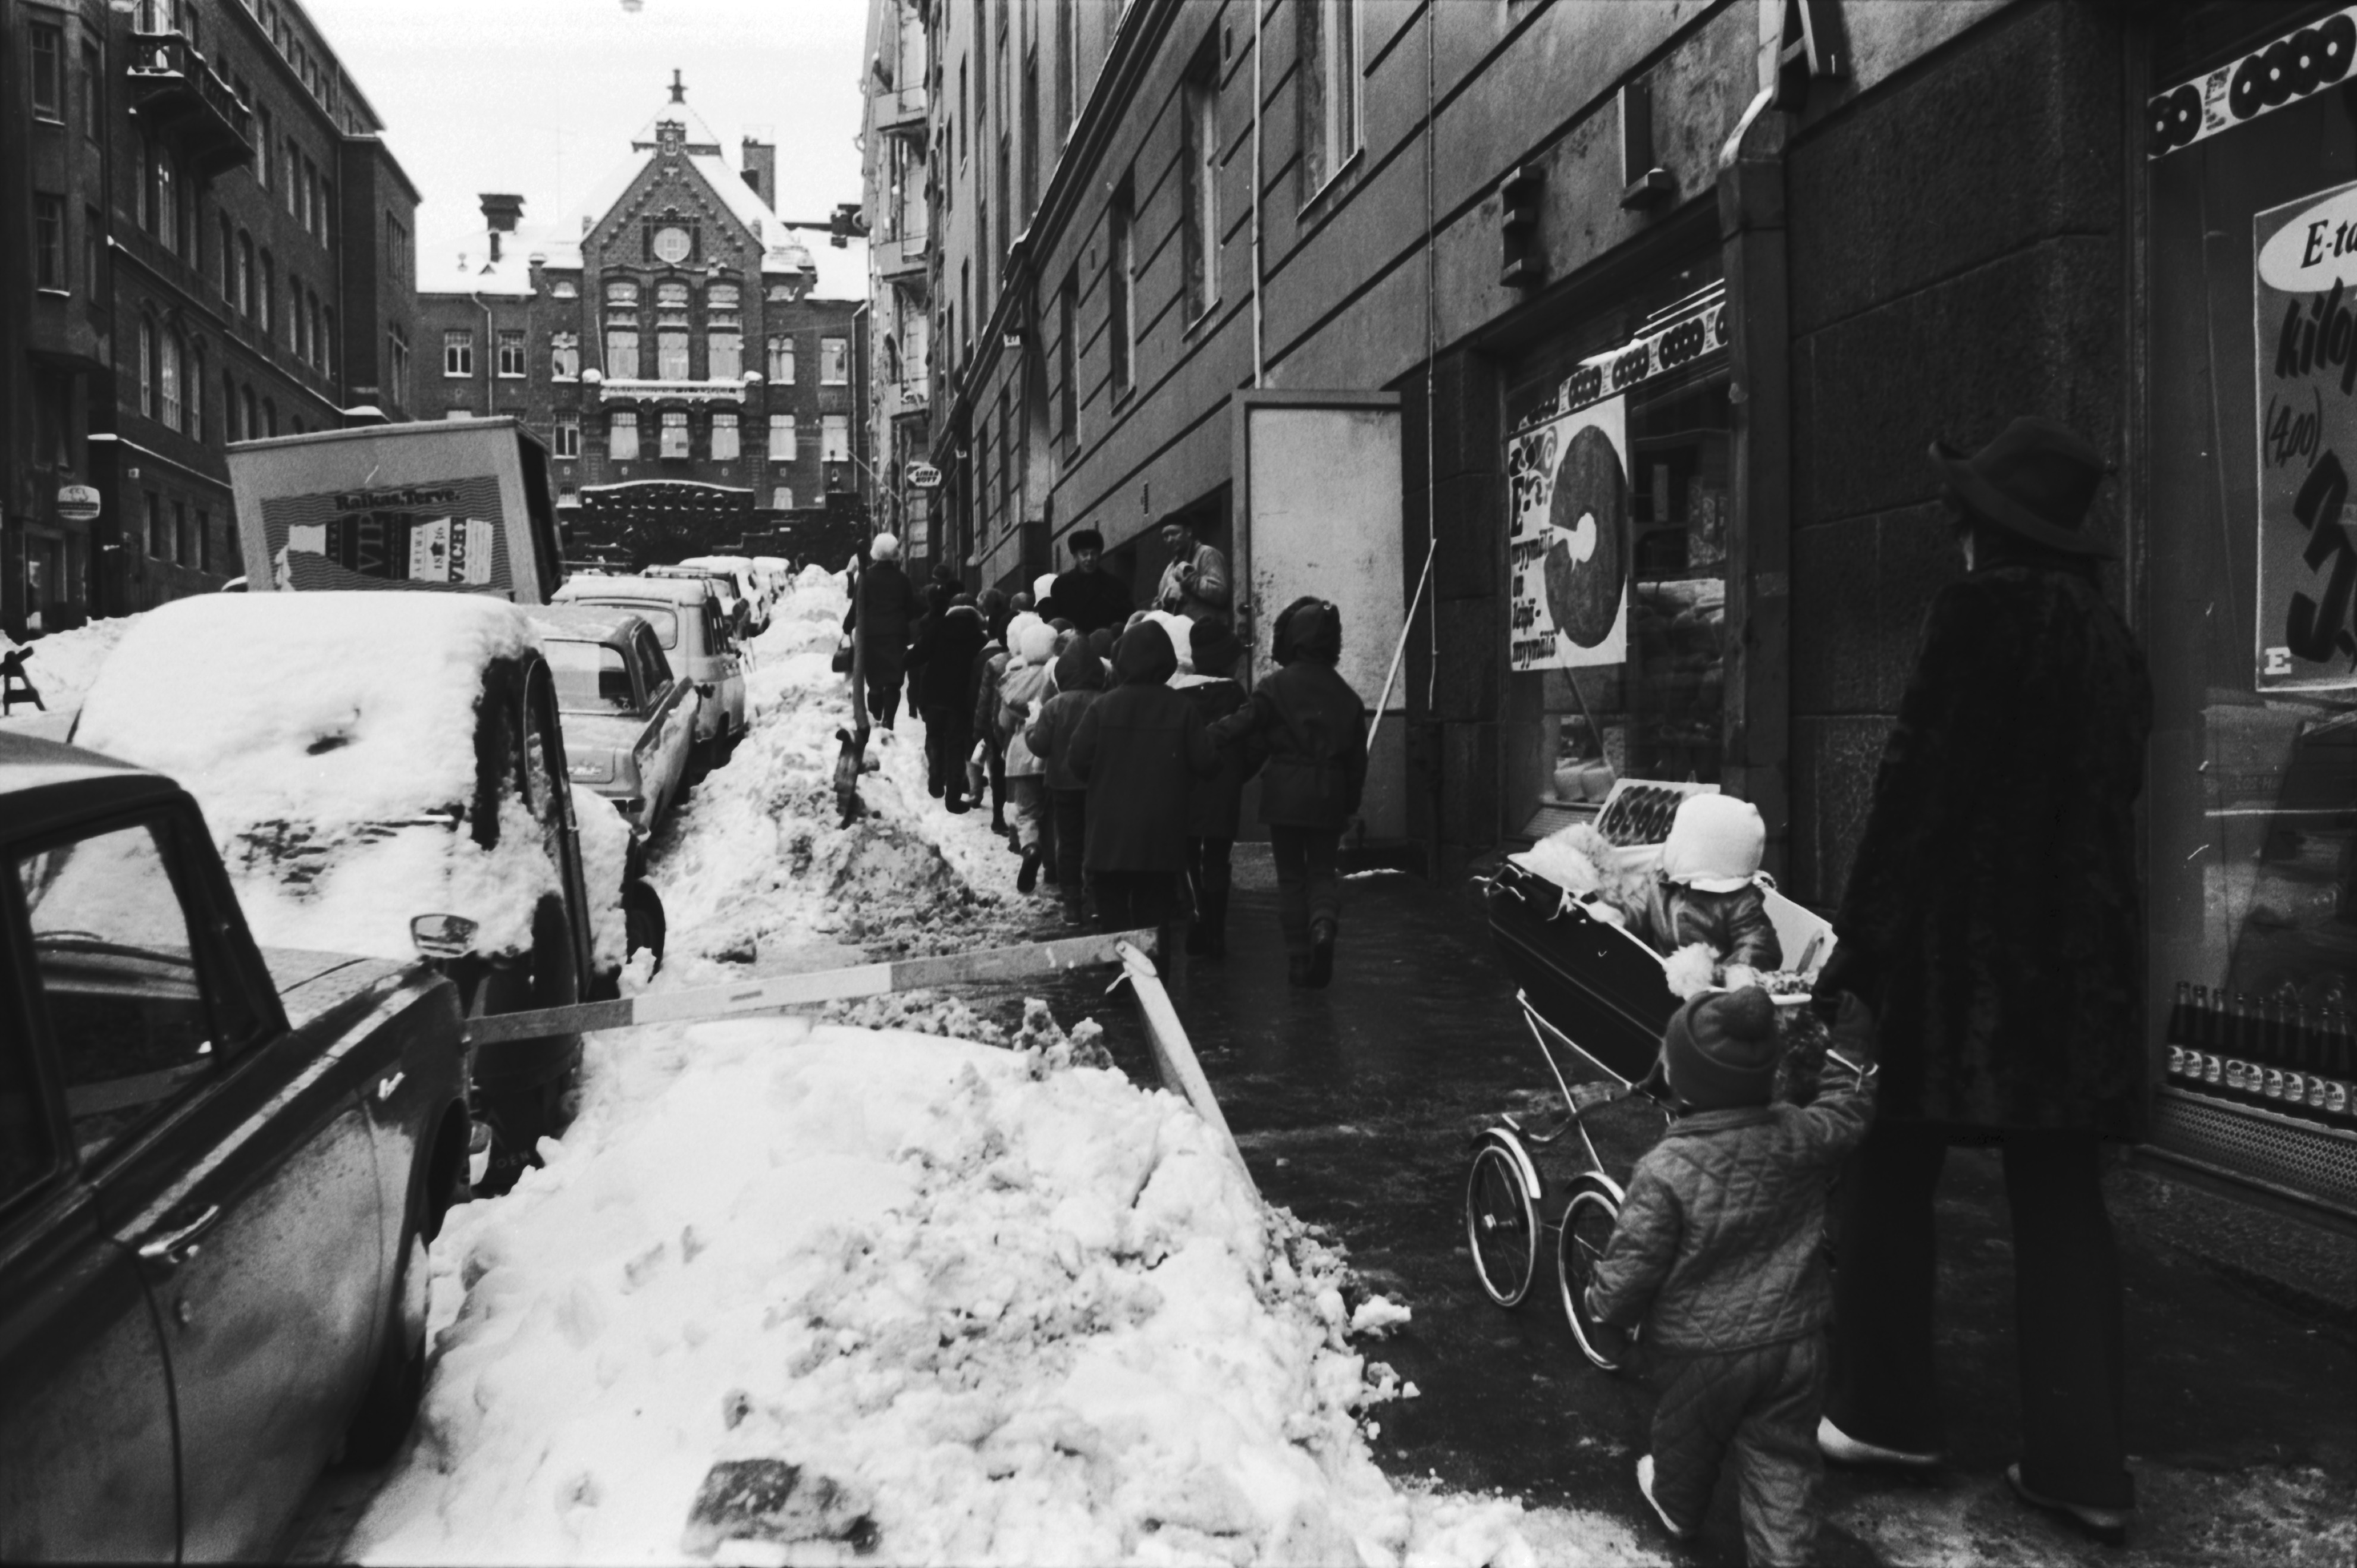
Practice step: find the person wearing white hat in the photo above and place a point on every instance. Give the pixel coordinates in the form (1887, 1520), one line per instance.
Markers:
(1709, 890)
(881, 616)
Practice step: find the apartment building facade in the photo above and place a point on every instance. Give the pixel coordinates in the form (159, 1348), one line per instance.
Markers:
(666, 345)
(896, 171)
(208, 241)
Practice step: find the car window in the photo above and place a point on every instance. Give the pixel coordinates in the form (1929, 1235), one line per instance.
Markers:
(658, 668)
(119, 979)
(716, 631)
(590, 678)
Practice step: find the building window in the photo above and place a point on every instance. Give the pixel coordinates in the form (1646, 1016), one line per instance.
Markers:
(1068, 363)
(146, 367)
(781, 360)
(1330, 92)
(163, 202)
(397, 358)
(291, 183)
(233, 422)
(267, 298)
(512, 351)
(93, 253)
(94, 104)
(228, 261)
(167, 378)
(622, 437)
(725, 448)
(1198, 166)
(1121, 327)
(269, 417)
(671, 354)
(622, 352)
(45, 54)
(835, 438)
(261, 153)
(458, 351)
(834, 362)
(671, 298)
(674, 433)
(154, 521)
(1030, 135)
(1068, 67)
(49, 241)
(250, 421)
(569, 436)
(721, 302)
(326, 342)
(783, 438)
(192, 400)
(725, 352)
(782, 498)
(564, 356)
(564, 288)
(244, 294)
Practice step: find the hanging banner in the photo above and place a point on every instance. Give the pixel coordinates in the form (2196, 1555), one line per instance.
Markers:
(2305, 293)
(1569, 552)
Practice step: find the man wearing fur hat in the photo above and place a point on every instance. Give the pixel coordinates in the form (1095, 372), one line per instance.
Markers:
(1994, 925)
(1718, 1254)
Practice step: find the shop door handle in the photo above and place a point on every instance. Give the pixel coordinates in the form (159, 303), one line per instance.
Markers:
(178, 1246)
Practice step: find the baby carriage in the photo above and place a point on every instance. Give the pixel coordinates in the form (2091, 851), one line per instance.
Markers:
(1595, 998)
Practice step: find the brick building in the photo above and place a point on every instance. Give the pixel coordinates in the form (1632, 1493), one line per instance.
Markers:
(669, 346)
(206, 240)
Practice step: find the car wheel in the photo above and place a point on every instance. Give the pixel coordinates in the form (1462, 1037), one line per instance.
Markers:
(520, 1116)
(643, 921)
(389, 1407)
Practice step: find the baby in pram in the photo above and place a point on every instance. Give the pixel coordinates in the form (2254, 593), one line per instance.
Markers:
(1718, 1254)
(1708, 891)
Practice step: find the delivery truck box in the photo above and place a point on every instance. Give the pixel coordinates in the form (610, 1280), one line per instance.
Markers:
(460, 506)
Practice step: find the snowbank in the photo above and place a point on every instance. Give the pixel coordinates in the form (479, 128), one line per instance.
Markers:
(1011, 1314)
(62, 665)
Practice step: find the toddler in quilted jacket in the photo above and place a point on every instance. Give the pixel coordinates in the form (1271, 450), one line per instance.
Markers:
(1719, 1255)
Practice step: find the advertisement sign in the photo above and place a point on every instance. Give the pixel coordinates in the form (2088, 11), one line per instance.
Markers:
(442, 535)
(2306, 295)
(1569, 552)
(77, 503)
(923, 476)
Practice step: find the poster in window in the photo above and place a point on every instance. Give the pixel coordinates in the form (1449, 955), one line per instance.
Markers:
(444, 535)
(2307, 404)
(1568, 552)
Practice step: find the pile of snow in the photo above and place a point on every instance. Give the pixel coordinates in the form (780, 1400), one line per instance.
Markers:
(327, 737)
(61, 666)
(991, 1310)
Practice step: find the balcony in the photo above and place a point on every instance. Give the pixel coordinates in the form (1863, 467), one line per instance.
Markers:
(900, 112)
(899, 259)
(910, 398)
(181, 99)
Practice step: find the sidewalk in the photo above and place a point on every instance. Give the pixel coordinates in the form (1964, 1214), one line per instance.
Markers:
(1354, 1105)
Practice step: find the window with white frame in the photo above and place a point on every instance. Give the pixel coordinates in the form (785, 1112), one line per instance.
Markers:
(622, 352)
(724, 356)
(564, 356)
(564, 288)
(724, 447)
(781, 360)
(783, 438)
(569, 436)
(458, 351)
(167, 379)
(1330, 89)
(1198, 173)
(674, 433)
(835, 438)
(622, 436)
(512, 351)
(834, 362)
(146, 366)
(782, 498)
(670, 353)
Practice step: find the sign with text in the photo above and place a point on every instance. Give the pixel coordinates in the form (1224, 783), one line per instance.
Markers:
(1567, 555)
(445, 536)
(923, 477)
(2306, 295)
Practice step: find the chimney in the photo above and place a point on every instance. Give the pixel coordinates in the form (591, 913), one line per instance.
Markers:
(501, 214)
(761, 170)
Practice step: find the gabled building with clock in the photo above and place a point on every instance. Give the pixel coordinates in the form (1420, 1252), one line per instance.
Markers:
(673, 352)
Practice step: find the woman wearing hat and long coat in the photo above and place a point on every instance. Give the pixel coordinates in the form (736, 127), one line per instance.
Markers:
(1994, 924)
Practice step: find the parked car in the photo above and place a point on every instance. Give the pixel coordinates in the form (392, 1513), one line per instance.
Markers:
(630, 725)
(365, 758)
(740, 573)
(220, 1167)
(735, 610)
(688, 627)
(777, 575)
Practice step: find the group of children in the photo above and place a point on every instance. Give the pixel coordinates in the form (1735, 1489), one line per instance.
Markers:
(1116, 761)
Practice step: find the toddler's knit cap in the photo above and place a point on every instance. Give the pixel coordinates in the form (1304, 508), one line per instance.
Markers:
(1720, 1051)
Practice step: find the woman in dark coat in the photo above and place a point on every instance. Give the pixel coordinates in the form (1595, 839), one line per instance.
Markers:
(1309, 728)
(1139, 748)
(880, 615)
(948, 643)
(1215, 803)
(1994, 924)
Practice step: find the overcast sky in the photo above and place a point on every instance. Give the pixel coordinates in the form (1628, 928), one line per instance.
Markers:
(541, 97)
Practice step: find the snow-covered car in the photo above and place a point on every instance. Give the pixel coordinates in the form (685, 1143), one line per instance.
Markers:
(629, 724)
(220, 1167)
(776, 574)
(740, 573)
(689, 628)
(367, 760)
(735, 610)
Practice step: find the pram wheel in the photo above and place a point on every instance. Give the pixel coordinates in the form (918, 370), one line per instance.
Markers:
(1588, 1222)
(1501, 1217)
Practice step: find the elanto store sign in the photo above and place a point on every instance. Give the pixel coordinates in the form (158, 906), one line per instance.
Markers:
(2306, 304)
(1700, 332)
(2287, 72)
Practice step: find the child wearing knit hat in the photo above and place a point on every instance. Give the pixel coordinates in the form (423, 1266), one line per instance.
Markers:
(1719, 1255)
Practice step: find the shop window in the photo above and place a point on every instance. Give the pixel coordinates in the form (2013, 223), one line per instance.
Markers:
(724, 439)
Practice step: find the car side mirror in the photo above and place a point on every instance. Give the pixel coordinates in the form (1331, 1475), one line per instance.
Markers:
(443, 936)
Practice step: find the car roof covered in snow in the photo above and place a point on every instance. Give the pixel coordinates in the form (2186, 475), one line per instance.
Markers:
(45, 783)
(587, 623)
(664, 590)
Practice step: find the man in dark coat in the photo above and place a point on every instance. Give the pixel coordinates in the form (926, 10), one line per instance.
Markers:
(881, 616)
(1088, 596)
(1994, 926)
(1309, 728)
(948, 647)
(1138, 748)
(1215, 803)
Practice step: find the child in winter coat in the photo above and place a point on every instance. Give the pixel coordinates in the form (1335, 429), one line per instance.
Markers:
(1311, 729)
(1079, 680)
(1214, 803)
(1022, 690)
(1138, 748)
(1718, 1253)
(1709, 890)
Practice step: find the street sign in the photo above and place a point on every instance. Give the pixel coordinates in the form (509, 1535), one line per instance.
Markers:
(77, 503)
(924, 475)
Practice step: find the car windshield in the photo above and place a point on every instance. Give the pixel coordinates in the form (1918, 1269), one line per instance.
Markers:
(662, 617)
(590, 678)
